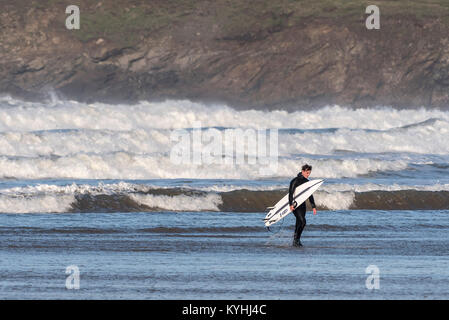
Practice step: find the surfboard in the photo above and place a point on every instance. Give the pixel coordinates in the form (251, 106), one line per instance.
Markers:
(282, 209)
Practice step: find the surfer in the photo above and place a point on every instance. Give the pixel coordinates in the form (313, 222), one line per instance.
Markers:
(300, 211)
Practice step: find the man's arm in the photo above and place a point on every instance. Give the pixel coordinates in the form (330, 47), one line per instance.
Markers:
(291, 191)
(312, 202)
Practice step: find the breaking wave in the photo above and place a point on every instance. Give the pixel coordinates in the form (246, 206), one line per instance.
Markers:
(128, 197)
(69, 139)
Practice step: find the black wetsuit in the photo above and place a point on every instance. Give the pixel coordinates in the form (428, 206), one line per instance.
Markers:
(300, 211)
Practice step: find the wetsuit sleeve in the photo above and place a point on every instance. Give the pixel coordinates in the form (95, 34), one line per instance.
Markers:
(312, 201)
(291, 191)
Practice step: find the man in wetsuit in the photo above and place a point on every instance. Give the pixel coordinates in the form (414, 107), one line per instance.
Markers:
(300, 211)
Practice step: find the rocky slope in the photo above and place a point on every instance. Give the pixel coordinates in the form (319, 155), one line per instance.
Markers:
(286, 55)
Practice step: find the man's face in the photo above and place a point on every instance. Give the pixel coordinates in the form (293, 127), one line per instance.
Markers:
(306, 174)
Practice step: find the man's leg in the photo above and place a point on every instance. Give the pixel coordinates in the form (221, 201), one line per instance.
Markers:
(302, 215)
(298, 223)
(299, 226)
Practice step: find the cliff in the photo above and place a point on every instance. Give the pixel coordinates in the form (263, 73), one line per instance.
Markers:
(289, 54)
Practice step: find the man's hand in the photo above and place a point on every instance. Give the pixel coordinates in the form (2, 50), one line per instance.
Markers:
(292, 208)
(314, 211)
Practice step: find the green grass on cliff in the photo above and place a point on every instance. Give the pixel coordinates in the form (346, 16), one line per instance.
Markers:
(125, 21)
(124, 25)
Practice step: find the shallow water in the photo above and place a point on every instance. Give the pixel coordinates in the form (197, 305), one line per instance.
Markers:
(217, 255)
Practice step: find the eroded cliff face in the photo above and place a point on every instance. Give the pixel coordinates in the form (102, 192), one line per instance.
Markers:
(312, 62)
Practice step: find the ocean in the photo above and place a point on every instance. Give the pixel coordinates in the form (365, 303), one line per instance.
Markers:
(161, 200)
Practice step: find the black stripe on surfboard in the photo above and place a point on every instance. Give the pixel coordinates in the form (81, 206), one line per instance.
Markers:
(282, 208)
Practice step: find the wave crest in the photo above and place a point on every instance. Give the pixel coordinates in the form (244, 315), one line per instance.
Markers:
(127, 197)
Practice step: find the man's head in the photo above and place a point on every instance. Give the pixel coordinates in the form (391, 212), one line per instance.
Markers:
(306, 170)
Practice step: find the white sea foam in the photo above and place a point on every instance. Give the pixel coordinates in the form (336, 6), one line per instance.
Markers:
(56, 199)
(429, 139)
(335, 200)
(368, 187)
(122, 165)
(70, 142)
(51, 198)
(422, 139)
(36, 204)
(69, 139)
(17, 115)
(74, 188)
(209, 202)
(128, 188)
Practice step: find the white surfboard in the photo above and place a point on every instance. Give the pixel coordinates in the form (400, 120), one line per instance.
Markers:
(282, 209)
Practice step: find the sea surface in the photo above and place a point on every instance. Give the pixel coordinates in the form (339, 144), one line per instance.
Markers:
(166, 200)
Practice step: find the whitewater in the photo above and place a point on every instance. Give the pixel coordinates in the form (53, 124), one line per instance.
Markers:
(55, 153)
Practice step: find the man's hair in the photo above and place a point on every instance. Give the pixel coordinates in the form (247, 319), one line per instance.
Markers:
(306, 167)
